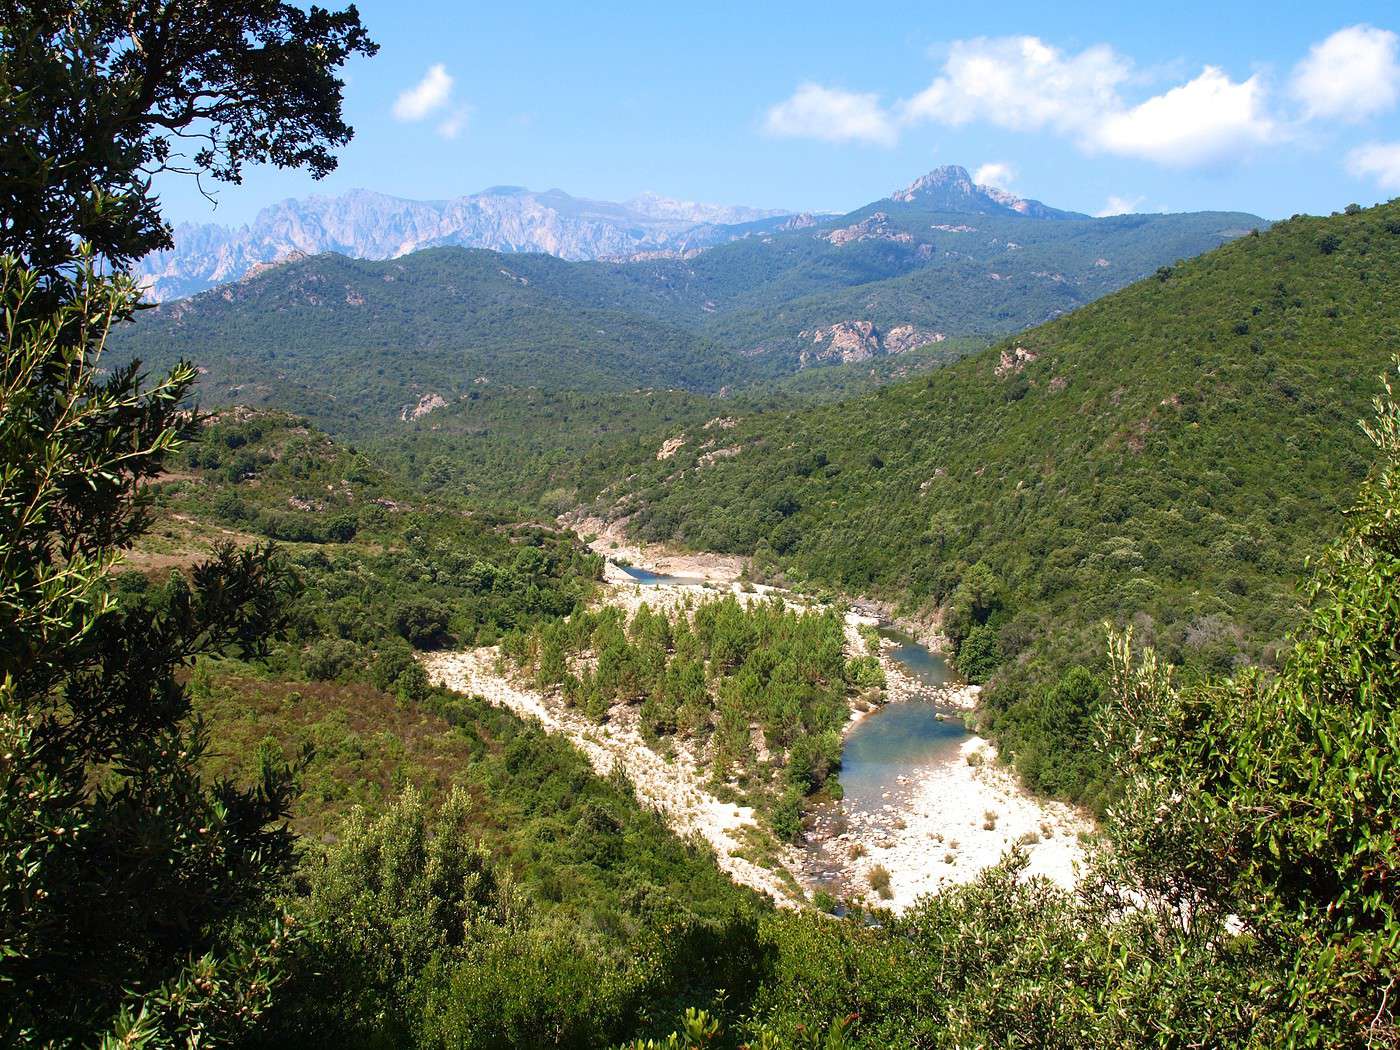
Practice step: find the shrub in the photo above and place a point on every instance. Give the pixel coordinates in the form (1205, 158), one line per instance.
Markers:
(787, 815)
(879, 879)
(342, 528)
(979, 654)
(330, 658)
(865, 672)
(421, 622)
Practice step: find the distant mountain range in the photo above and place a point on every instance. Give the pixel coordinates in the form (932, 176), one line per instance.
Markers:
(366, 225)
(360, 342)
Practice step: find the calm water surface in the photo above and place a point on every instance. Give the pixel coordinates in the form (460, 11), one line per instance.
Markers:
(647, 578)
(900, 737)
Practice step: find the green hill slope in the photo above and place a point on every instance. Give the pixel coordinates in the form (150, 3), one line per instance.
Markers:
(946, 273)
(358, 344)
(355, 343)
(1167, 456)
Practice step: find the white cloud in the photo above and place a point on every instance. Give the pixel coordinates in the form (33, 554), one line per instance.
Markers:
(1352, 75)
(429, 94)
(1020, 83)
(452, 125)
(1379, 161)
(1116, 205)
(995, 173)
(1204, 121)
(1024, 84)
(831, 115)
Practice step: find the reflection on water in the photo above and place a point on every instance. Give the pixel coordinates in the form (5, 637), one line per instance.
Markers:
(647, 578)
(918, 660)
(900, 737)
(896, 740)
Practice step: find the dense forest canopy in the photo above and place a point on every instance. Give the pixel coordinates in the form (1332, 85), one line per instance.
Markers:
(1166, 457)
(235, 811)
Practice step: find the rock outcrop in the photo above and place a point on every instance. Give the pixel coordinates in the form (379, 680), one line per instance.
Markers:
(875, 227)
(848, 341)
(1013, 361)
(950, 188)
(427, 403)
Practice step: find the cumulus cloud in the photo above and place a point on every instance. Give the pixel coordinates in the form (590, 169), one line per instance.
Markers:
(1092, 98)
(995, 173)
(831, 115)
(1204, 121)
(1116, 205)
(1020, 83)
(1379, 161)
(429, 94)
(1024, 84)
(1352, 75)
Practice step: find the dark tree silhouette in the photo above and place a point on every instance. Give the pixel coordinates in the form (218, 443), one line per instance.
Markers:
(96, 96)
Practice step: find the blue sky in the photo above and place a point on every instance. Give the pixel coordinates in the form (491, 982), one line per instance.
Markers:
(1272, 108)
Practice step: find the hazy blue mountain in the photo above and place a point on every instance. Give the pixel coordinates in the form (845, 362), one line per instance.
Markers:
(364, 342)
(366, 225)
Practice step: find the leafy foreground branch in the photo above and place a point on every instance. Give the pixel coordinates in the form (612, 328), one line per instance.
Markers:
(132, 893)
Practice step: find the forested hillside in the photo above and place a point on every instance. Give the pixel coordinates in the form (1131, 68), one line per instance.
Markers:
(358, 344)
(1164, 457)
(355, 343)
(242, 804)
(508, 447)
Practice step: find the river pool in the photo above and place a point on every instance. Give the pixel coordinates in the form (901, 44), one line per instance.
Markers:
(903, 736)
(647, 578)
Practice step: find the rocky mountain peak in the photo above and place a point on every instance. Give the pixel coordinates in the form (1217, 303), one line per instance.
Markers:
(947, 180)
(950, 188)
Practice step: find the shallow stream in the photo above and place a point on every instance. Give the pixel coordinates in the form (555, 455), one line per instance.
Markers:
(647, 578)
(901, 737)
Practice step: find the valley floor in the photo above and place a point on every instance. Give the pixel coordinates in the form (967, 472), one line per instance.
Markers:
(941, 825)
(673, 785)
(937, 830)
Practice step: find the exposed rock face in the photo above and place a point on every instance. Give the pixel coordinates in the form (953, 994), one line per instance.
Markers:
(848, 341)
(950, 188)
(366, 225)
(427, 403)
(1013, 361)
(845, 341)
(728, 452)
(903, 337)
(876, 227)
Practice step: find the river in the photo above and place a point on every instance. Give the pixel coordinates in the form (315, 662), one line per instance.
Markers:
(647, 578)
(901, 737)
(922, 797)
